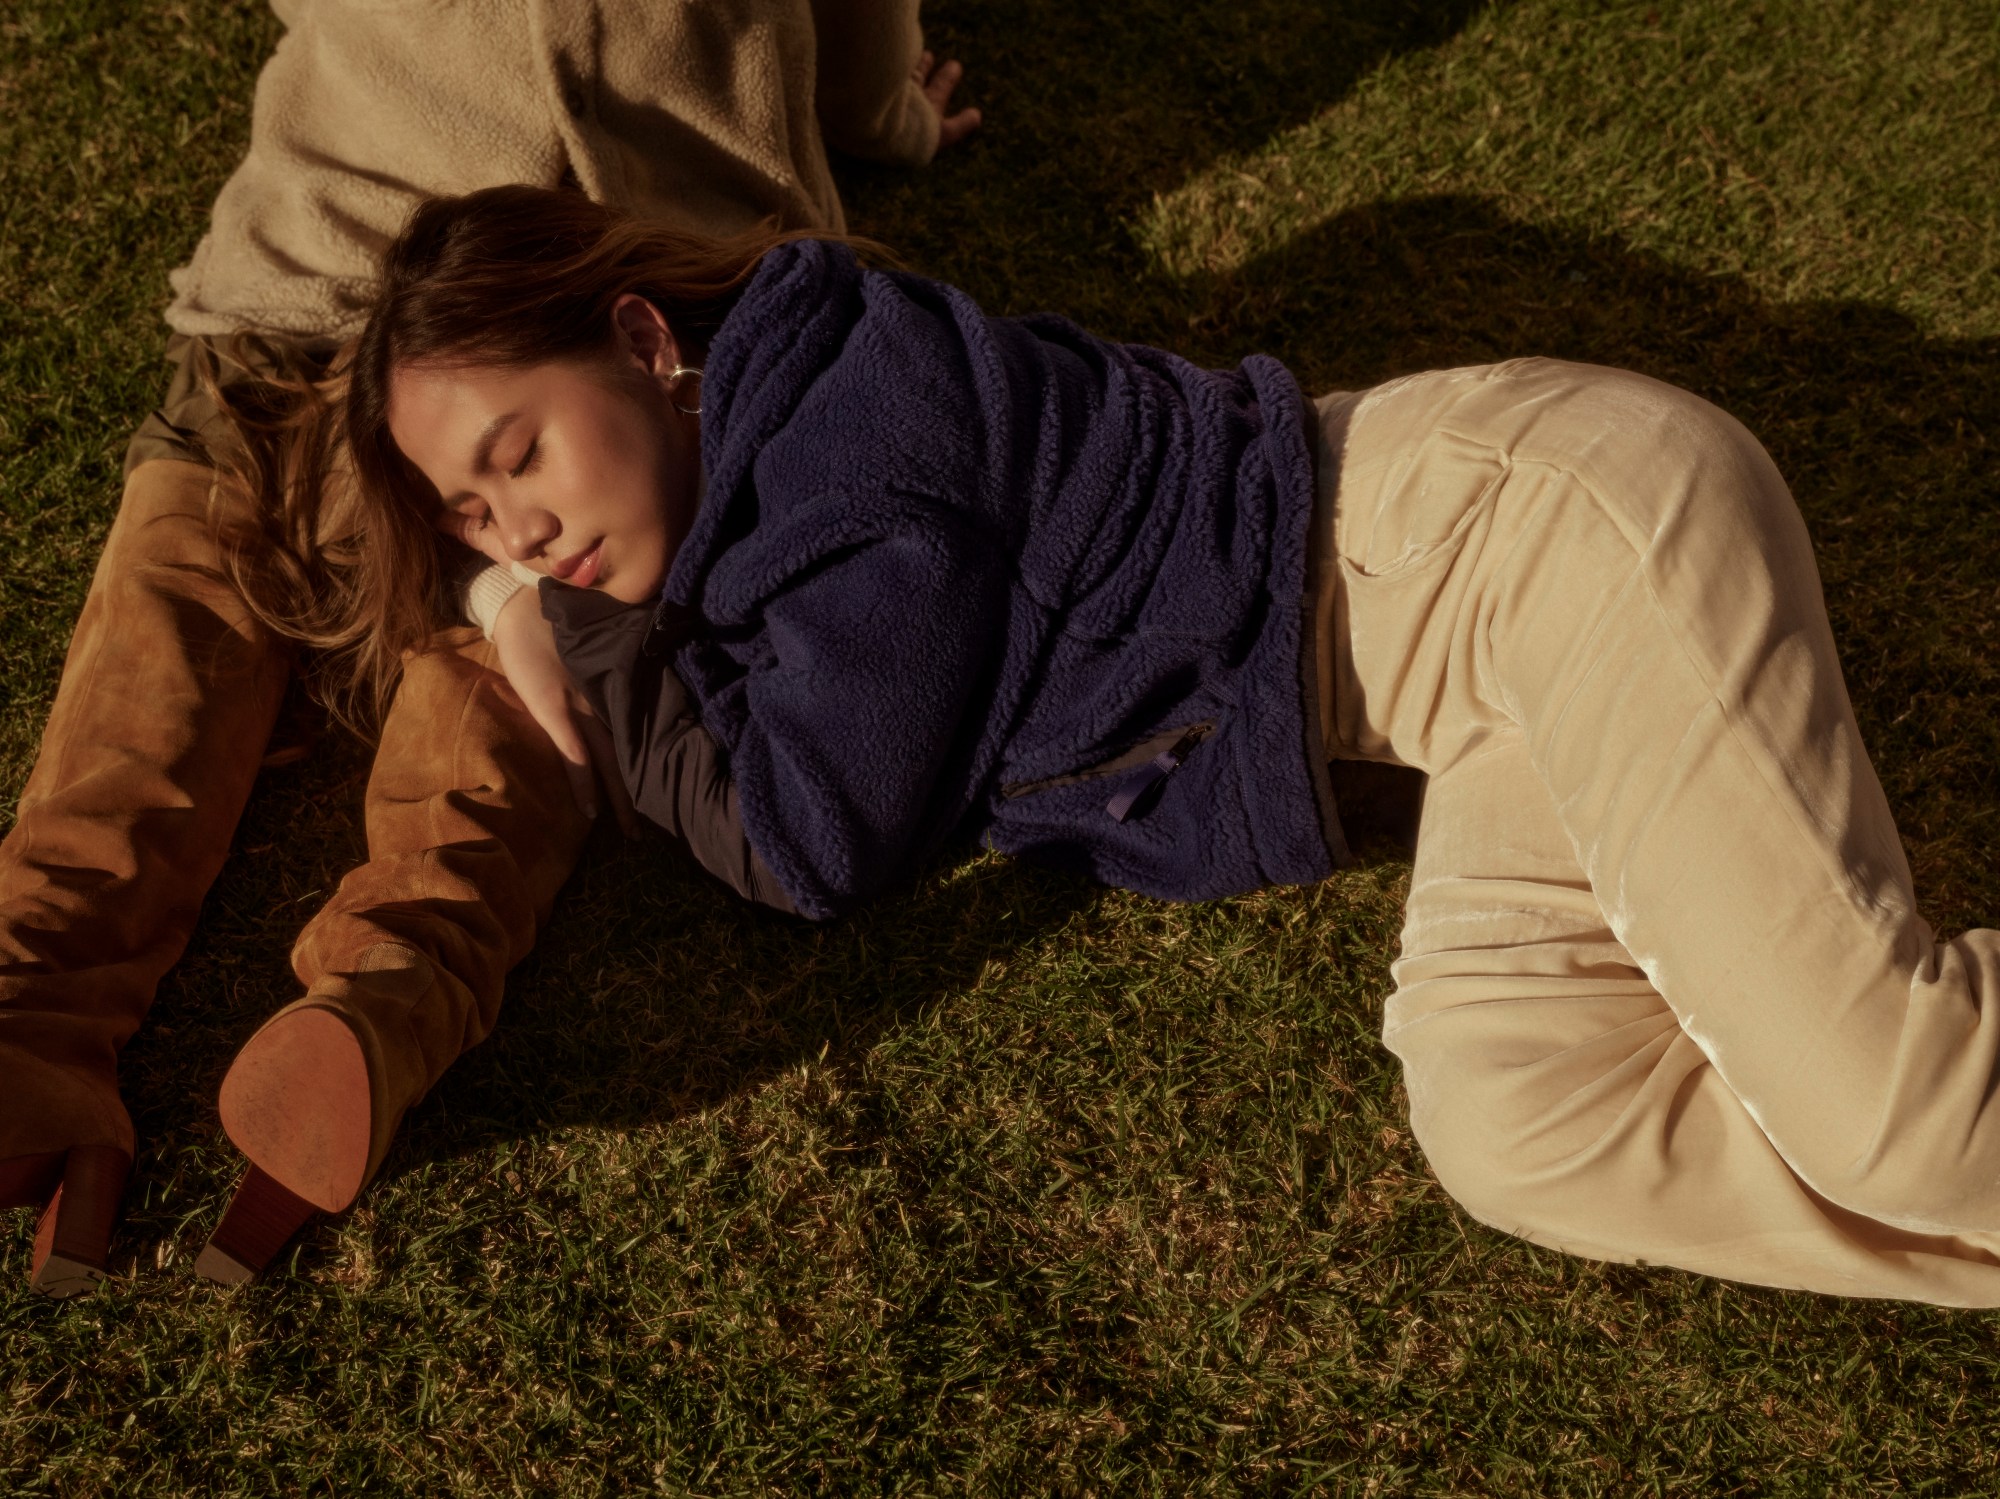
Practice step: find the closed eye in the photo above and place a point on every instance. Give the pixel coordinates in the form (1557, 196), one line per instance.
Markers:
(466, 518)
(530, 461)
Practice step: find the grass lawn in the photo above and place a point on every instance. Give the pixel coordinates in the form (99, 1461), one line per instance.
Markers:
(1011, 1184)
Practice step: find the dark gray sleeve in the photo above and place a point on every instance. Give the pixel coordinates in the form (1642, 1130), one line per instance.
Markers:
(671, 765)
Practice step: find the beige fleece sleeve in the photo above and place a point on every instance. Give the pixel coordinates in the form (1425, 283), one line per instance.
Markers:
(867, 98)
(364, 109)
(482, 594)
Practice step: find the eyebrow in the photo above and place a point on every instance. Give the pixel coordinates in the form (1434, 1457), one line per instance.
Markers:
(482, 451)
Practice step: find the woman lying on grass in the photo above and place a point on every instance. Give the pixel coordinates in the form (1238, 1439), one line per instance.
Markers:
(849, 570)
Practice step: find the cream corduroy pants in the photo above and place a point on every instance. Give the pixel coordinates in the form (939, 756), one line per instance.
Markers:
(1663, 996)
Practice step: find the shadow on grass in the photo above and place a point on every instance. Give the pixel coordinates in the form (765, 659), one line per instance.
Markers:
(683, 995)
(1090, 110)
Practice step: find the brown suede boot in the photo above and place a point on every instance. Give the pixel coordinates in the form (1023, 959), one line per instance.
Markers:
(471, 831)
(167, 698)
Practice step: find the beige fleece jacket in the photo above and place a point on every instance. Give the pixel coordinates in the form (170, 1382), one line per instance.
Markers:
(705, 114)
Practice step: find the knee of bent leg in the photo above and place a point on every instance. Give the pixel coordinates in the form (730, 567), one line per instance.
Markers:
(1471, 1160)
(1534, 1121)
(1473, 1118)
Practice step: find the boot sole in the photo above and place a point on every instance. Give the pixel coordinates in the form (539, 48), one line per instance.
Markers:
(297, 1103)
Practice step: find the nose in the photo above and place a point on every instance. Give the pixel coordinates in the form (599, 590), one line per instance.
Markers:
(525, 529)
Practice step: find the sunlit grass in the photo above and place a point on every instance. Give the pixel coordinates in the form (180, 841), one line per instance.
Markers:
(1815, 156)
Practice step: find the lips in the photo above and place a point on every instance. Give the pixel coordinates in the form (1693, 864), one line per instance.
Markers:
(579, 569)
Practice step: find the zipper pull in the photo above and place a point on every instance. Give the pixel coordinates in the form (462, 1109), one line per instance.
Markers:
(1139, 790)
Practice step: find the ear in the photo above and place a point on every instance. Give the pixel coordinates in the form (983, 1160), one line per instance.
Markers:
(644, 336)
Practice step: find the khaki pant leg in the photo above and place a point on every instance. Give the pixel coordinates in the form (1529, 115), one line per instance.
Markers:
(167, 699)
(1557, 1096)
(1613, 570)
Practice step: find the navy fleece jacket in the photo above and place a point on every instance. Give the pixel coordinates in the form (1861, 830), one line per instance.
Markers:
(954, 574)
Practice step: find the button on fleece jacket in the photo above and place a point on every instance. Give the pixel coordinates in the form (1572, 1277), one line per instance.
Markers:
(942, 557)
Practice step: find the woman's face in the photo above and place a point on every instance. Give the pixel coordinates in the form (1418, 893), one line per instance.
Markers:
(586, 473)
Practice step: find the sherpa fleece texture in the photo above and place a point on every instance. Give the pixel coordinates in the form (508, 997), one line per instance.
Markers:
(942, 554)
(705, 116)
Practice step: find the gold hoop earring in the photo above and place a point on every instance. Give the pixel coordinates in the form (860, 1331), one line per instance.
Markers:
(674, 378)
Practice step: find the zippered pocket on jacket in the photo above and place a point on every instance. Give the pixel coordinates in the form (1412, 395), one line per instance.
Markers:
(1143, 768)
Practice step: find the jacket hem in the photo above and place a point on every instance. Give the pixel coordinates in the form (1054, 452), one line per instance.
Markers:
(1324, 799)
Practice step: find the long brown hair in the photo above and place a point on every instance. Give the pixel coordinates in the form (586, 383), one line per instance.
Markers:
(343, 557)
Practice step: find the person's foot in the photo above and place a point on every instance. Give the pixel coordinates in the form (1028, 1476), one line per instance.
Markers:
(66, 1149)
(83, 1188)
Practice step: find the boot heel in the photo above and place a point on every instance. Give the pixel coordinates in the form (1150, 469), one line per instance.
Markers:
(260, 1220)
(73, 1240)
(26, 1181)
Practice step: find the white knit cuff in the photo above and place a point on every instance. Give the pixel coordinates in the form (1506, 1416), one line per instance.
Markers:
(486, 593)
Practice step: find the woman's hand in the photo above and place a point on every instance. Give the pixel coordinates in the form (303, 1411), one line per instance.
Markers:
(526, 644)
(528, 659)
(937, 80)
